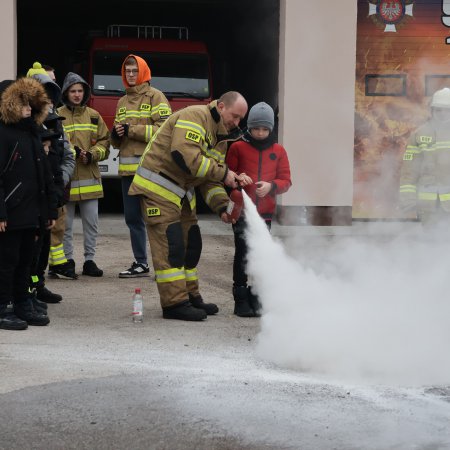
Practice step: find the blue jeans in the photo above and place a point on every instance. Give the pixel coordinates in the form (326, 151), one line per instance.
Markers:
(134, 221)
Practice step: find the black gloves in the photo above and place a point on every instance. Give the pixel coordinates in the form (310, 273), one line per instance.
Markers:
(88, 157)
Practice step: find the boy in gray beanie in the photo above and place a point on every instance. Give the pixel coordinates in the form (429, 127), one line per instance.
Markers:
(267, 164)
(260, 115)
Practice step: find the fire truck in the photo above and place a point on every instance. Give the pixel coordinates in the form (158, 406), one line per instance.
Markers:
(180, 68)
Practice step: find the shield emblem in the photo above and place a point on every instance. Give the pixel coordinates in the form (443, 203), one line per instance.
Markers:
(391, 11)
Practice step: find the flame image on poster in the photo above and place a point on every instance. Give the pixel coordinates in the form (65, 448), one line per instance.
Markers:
(399, 65)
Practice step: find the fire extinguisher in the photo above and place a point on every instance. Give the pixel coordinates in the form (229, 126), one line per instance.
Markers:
(235, 204)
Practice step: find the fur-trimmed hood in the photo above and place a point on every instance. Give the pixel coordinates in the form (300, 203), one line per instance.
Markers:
(17, 95)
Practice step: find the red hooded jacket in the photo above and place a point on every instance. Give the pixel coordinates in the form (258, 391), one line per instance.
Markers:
(270, 164)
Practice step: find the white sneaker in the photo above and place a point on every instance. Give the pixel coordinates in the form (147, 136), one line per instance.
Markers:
(136, 270)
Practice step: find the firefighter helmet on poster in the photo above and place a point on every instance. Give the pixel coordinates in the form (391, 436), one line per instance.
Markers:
(441, 98)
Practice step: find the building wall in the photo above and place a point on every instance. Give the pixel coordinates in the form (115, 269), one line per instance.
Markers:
(317, 84)
(316, 96)
(8, 38)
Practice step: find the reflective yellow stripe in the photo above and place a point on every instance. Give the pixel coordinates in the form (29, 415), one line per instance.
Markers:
(212, 153)
(80, 127)
(408, 188)
(213, 192)
(148, 133)
(203, 169)
(34, 278)
(192, 199)
(57, 255)
(428, 196)
(133, 114)
(168, 275)
(412, 149)
(191, 274)
(444, 197)
(101, 150)
(162, 106)
(128, 167)
(442, 146)
(153, 187)
(195, 127)
(86, 189)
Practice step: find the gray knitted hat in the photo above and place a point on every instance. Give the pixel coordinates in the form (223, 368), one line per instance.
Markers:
(260, 115)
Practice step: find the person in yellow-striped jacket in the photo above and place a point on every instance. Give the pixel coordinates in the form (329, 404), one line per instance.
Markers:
(89, 137)
(139, 113)
(187, 151)
(425, 171)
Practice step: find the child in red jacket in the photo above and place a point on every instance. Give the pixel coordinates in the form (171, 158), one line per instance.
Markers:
(266, 162)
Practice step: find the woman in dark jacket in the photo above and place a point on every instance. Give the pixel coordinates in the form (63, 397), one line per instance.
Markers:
(27, 197)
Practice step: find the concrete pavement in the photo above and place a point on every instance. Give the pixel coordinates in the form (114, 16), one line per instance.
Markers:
(94, 380)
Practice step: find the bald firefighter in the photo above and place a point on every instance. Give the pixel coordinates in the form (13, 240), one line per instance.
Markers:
(187, 151)
(425, 172)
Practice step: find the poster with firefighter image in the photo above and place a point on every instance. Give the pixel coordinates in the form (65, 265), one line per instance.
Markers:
(402, 58)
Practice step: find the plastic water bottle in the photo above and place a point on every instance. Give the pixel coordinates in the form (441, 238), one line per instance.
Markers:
(138, 310)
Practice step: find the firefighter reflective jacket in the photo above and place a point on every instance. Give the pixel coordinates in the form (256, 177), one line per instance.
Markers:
(425, 172)
(186, 152)
(144, 109)
(86, 130)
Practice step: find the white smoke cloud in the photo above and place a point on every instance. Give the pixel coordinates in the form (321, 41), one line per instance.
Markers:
(358, 308)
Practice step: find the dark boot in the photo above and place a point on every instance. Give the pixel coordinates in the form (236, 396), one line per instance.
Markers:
(184, 311)
(45, 295)
(64, 271)
(197, 302)
(242, 306)
(255, 304)
(9, 321)
(25, 310)
(39, 306)
(91, 270)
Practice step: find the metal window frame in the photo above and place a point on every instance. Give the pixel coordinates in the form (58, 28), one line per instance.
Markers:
(368, 77)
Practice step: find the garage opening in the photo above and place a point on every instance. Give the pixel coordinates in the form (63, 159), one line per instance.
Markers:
(242, 38)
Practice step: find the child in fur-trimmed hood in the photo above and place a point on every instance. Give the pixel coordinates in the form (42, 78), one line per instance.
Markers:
(27, 196)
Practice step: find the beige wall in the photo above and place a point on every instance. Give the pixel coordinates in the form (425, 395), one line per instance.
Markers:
(8, 38)
(317, 65)
(317, 76)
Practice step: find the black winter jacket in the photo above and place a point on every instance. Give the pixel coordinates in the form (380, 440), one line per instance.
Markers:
(27, 193)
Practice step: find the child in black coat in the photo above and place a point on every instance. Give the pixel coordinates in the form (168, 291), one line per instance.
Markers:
(27, 197)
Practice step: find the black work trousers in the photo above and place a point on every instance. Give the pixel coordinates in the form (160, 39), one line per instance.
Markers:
(40, 258)
(240, 252)
(16, 256)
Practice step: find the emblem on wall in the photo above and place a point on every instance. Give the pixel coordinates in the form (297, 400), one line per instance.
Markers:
(390, 13)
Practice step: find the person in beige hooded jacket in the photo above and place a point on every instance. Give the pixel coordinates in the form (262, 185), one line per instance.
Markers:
(89, 136)
(139, 113)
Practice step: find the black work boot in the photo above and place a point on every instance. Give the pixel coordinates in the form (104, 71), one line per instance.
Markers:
(9, 321)
(39, 306)
(197, 302)
(64, 271)
(242, 306)
(254, 302)
(25, 310)
(91, 270)
(184, 311)
(45, 295)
